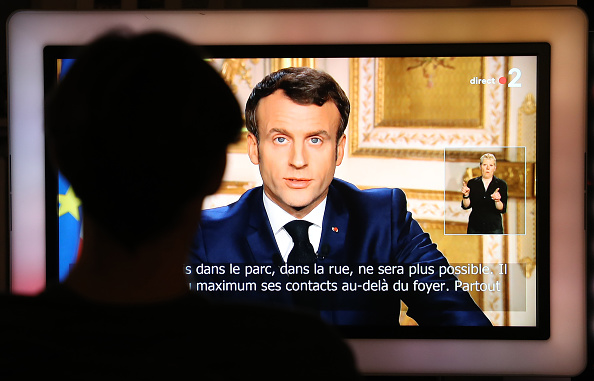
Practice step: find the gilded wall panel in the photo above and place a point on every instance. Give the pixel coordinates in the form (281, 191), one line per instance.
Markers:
(385, 122)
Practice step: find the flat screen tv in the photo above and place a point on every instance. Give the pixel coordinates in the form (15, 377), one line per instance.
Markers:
(431, 91)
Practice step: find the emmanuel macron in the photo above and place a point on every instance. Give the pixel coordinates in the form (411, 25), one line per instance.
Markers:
(296, 118)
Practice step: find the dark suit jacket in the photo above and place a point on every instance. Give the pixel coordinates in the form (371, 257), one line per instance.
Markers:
(370, 227)
(485, 218)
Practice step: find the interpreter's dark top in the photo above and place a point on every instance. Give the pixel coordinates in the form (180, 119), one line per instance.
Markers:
(61, 335)
(485, 218)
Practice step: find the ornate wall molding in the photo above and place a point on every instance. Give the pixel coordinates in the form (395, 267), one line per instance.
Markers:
(426, 142)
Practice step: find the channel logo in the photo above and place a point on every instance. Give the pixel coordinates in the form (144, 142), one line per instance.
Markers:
(515, 73)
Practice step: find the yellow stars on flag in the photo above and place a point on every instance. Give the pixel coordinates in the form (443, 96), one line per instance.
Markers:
(69, 203)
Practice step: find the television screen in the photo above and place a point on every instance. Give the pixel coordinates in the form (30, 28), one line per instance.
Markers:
(422, 118)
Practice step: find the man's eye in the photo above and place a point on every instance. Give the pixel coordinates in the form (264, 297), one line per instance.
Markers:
(280, 139)
(316, 140)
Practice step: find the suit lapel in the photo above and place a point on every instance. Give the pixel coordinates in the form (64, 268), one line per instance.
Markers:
(259, 233)
(334, 227)
(263, 246)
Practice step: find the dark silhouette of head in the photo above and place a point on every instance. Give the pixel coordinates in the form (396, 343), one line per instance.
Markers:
(304, 86)
(140, 126)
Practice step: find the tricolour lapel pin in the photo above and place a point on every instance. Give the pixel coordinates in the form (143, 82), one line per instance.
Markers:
(334, 229)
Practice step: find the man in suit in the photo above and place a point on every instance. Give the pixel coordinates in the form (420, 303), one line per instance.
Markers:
(302, 215)
(487, 196)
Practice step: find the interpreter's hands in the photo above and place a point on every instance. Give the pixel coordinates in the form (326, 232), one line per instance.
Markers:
(496, 196)
(465, 189)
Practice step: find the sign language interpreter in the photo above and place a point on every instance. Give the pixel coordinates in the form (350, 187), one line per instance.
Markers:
(486, 195)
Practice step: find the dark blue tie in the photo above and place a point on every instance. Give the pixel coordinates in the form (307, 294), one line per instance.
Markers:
(302, 252)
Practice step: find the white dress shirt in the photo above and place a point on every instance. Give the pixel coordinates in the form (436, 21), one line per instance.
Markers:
(278, 218)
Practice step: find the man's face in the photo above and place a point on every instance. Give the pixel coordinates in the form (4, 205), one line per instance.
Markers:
(488, 168)
(297, 153)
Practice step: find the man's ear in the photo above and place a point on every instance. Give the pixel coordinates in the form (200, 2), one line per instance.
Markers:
(340, 150)
(253, 153)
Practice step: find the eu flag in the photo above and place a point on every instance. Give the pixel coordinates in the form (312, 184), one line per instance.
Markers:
(69, 211)
(70, 227)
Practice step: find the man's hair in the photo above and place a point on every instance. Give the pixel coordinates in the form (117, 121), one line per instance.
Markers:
(304, 86)
(488, 156)
(137, 126)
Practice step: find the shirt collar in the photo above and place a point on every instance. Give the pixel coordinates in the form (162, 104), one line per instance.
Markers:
(278, 217)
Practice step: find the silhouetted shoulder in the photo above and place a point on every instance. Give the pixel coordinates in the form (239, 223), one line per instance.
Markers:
(188, 337)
